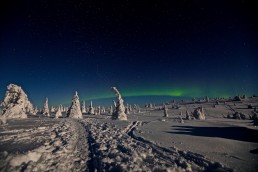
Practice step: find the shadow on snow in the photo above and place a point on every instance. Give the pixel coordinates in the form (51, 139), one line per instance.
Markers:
(233, 133)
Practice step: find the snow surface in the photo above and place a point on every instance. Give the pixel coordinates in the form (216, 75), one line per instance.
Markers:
(147, 141)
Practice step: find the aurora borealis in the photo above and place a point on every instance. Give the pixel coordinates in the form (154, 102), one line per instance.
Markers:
(175, 50)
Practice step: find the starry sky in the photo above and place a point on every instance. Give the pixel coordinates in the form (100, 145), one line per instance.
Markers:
(150, 50)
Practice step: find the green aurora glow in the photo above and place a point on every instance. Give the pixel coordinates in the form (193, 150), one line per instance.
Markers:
(165, 91)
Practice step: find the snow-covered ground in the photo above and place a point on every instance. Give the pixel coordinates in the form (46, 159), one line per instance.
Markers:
(147, 141)
(60, 146)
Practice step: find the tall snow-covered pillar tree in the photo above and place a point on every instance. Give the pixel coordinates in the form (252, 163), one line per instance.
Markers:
(91, 109)
(119, 112)
(75, 109)
(45, 110)
(111, 109)
(83, 107)
(165, 111)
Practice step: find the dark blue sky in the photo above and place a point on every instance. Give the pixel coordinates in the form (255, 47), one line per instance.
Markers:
(179, 48)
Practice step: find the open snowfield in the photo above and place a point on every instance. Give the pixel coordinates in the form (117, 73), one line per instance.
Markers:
(147, 141)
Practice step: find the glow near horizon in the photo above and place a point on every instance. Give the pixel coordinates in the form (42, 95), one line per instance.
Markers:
(183, 92)
(192, 92)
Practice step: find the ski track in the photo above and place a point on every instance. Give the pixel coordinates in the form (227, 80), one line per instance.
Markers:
(115, 149)
(66, 149)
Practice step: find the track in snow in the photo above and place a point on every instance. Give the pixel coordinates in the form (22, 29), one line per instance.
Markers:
(115, 149)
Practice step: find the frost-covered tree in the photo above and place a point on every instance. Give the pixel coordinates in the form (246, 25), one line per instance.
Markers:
(75, 108)
(58, 112)
(199, 113)
(114, 103)
(207, 99)
(165, 111)
(91, 109)
(36, 110)
(119, 112)
(16, 103)
(127, 110)
(66, 109)
(188, 116)
(62, 108)
(98, 110)
(103, 110)
(52, 109)
(111, 109)
(139, 109)
(83, 107)
(181, 120)
(45, 110)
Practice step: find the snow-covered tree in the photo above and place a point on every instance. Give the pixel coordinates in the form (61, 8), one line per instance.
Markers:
(111, 109)
(199, 113)
(207, 99)
(188, 116)
(103, 110)
(16, 103)
(62, 108)
(165, 111)
(45, 110)
(75, 108)
(114, 103)
(98, 110)
(91, 109)
(119, 112)
(83, 107)
(58, 112)
(52, 109)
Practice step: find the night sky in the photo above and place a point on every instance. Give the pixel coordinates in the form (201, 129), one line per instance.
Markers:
(145, 48)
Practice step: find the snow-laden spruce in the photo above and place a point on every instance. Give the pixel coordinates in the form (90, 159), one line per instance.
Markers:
(199, 113)
(16, 103)
(75, 109)
(114, 103)
(58, 112)
(188, 116)
(83, 107)
(98, 111)
(103, 110)
(45, 110)
(165, 111)
(35, 110)
(207, 99)
(52, 109)
(111, 110)
(62, 108)
(119, 112)
(91, 109)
